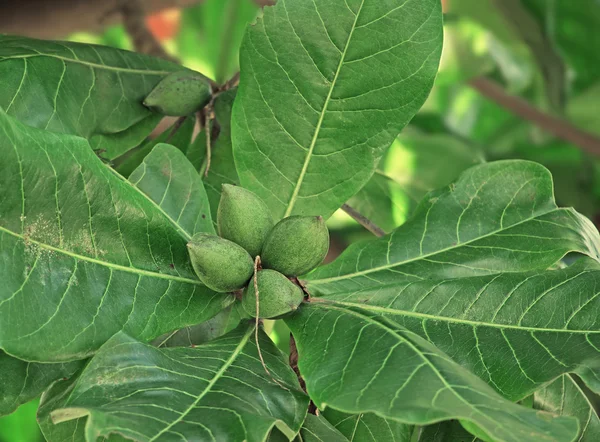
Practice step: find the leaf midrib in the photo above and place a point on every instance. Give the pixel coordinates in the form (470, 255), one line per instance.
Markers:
(212, 382)
(89, 64)
(427, 255)
(102, 263)
(426, 316)
(313, 142)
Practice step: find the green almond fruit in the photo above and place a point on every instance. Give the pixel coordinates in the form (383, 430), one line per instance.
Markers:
(296, 245)
(179, 94)
(277, 295)
(221, 265)
(243, 218)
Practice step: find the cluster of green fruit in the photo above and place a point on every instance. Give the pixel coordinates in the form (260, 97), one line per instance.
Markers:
(294, 246)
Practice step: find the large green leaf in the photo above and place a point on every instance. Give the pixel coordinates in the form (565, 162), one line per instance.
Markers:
(564, 396)
(326, 86)
(368, 427)
(92, 91)
(22, 381)
(517, 331)
(354, 361)
(172, 183)
(497, 217)
(83, 254)
(216, 391)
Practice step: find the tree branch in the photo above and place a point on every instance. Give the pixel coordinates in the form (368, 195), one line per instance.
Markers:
(363, 221)
(556, 126)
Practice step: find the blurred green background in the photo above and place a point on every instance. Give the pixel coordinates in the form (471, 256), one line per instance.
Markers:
(542, 56)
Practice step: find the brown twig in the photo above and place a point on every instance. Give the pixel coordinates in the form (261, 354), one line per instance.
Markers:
(363, 221)
(556, 126)
(312, 408)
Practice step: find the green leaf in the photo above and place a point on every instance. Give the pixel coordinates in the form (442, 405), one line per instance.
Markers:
(92, 91)
(368, 427)
(565, 397)
(497, 217)
(322, 94)
(355, 362)
(314, 429)
(449, 431)
(83, 254)
(225, 321)
(171, 182)
(318, 429)
(217, 391)
(181, 139)
(517, 331)
(22, 381)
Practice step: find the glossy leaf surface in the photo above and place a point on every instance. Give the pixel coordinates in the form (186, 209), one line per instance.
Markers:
(325, 88)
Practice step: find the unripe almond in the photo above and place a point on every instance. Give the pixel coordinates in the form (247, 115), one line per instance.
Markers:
(221, 265)
(243, 218)
(179, 94)
(296, 245)
(277, 295)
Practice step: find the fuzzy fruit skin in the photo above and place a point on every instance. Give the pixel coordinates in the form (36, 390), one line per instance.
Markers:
(243, 218)
(277, 295)
(296, 245)
(179, 94)
(221, 265)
